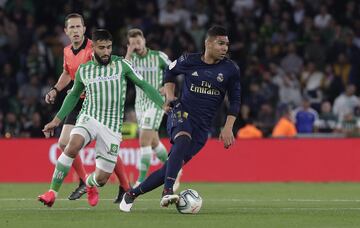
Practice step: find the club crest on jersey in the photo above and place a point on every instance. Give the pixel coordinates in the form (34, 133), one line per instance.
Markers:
(220, 77)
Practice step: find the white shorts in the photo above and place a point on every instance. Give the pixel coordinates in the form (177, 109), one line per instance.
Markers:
(150, 119)
(107, 142)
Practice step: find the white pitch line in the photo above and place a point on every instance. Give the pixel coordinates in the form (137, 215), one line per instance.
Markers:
(74, 209)
(297, 208)
(65, 199)
(231, 208)
(208, 200)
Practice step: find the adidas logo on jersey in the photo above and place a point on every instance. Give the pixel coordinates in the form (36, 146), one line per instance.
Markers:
(195, 73)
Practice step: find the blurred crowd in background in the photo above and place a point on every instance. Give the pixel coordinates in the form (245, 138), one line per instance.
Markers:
(302, 56)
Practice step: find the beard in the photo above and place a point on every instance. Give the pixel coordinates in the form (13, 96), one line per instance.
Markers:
(101, 61)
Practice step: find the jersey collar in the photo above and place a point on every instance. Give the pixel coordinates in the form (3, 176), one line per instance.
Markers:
(83, 45)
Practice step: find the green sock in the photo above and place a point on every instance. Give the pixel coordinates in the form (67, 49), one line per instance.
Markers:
(161, 152)
(62, 168)
(145, 157)
(91, 180)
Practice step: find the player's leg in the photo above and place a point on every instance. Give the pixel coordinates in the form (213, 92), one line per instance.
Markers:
(62, 168)
(180, 130)
(145, 139)
(159, 148)
(182, 143)
(161, 153)
(197, 142)
(77, 164)
(107, 153)
(149, 122)
(153, 181)
(177, 126)
(69, 123)
(120, 169)
(124, 185)
(97, 179)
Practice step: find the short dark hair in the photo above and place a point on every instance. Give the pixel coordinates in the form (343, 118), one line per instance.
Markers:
(134, 33)
(74, 15)
(216, 30)
(101, 34)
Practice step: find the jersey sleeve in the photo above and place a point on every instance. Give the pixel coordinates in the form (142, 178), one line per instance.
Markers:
(174, 69)
(65, 65)
(234, 90)
(164, 60)
(72, 98)
(139, 81)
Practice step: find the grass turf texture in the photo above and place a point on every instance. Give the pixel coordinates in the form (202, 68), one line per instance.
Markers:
(224, 205)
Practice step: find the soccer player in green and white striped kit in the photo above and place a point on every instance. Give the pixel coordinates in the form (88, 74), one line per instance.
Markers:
(151, 65)
(104, 79)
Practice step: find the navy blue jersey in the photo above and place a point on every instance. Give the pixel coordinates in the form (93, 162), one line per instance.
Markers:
(205, 86)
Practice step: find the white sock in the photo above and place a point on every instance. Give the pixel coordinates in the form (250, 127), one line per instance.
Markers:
(65, 160)
(159, 148)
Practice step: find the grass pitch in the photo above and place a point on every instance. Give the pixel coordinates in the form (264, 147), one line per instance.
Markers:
(224, 205)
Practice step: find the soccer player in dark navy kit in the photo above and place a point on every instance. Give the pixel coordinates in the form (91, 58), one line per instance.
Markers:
(208, 78)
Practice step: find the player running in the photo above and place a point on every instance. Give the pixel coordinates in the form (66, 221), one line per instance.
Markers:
(208, 77)
(78, 52)
(104, 79)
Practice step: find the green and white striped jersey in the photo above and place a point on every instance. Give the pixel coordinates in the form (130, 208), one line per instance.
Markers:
(105, 88)
(151, 67)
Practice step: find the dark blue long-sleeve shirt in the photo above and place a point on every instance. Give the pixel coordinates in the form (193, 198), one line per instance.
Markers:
(205, 86)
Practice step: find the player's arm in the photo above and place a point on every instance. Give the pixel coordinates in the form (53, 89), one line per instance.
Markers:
(138, 80)
(164, 60)
(170, 91)
(226, 134)
(62, 82)
(164, 63)
(233, 90)
(68, 105)
(171, 72)
(129, 51)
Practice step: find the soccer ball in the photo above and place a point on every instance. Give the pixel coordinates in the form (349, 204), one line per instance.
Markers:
(189, 202)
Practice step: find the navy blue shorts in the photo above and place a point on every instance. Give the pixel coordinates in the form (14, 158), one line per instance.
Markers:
(179, 120)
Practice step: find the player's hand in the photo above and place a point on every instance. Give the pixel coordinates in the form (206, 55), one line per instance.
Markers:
(130, 49)
(49, 128)
(51, 96)
(227, 136)
(169, 104)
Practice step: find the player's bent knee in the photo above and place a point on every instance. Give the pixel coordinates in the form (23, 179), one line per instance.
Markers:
(71, 151)
(182, 133)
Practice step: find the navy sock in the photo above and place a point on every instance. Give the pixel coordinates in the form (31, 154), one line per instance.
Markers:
(181, 144)
(151, 182)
